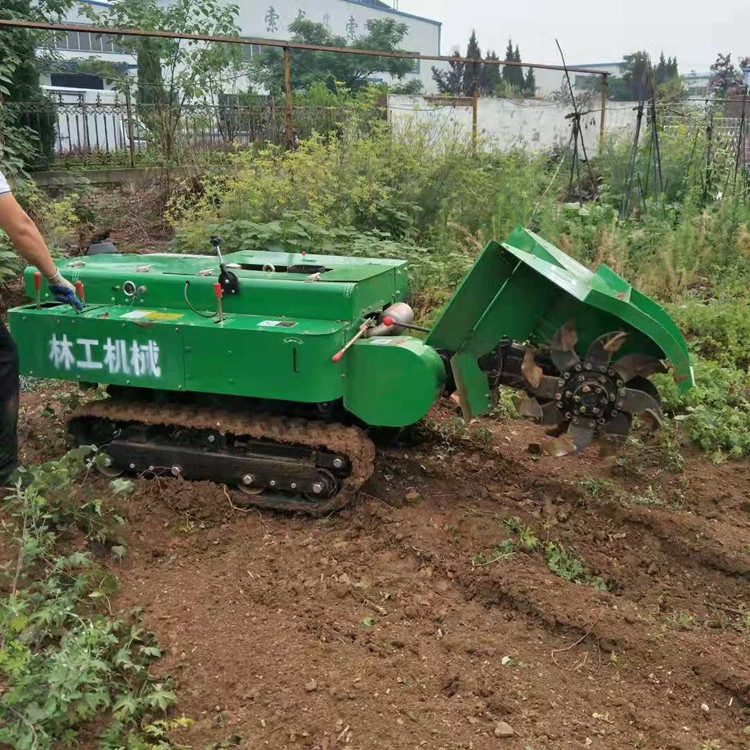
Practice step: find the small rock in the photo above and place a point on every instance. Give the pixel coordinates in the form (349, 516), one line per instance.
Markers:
(705, 708)
(651, 570)
(503, 729)
(311, 686)
(412, 496)
(473, 720)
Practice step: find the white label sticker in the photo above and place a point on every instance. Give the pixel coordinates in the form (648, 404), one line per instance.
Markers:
(135, 314)
(276, 324)
(114, 356)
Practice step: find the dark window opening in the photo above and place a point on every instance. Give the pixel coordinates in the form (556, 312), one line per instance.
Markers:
(77, 81)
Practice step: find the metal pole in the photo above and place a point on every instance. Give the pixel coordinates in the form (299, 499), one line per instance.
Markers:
(131, 135)
(474, 109)
(602, 116)
(740, 139)
(289, 124)
(113, 31)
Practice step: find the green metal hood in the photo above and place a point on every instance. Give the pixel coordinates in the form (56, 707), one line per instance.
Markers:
(605, 290)
(525, 289)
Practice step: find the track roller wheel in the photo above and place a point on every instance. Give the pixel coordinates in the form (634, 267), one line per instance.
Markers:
(104, 466)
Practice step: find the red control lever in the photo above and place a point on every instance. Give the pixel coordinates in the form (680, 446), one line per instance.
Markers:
(79, 291)
(219, 292)
(339, 354)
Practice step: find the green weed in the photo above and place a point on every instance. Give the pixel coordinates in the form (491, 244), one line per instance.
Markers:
(64, 660)
(561, 562)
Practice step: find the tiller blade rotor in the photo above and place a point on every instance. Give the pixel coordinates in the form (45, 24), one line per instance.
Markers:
(562, 349)
(592, 397)
(637, 365)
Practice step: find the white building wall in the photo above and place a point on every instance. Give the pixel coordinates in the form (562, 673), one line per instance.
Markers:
(536, 125)
(270, 19)
(65, 48)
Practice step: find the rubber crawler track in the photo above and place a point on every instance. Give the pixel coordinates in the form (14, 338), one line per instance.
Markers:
(336, 438)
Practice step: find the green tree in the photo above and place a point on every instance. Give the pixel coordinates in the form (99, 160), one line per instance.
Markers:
(336, 70)
(529, 84)
(175, 71)
(489, 76)
(513, 74)
(450, 81)
(725, 78)
(473, 52)
(27, 127)
(150, 78)
(638, 75)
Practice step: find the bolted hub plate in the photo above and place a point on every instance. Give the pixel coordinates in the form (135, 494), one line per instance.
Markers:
(589, 392)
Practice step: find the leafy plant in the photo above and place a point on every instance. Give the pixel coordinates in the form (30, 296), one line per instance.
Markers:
(64, 659)
(716, 413)
(561, 562)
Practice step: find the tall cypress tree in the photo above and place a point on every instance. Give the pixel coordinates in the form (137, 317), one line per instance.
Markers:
(150, 78)
(507, 69)
(529, 84)
(489, 76)
(37, 112)
(473, 53)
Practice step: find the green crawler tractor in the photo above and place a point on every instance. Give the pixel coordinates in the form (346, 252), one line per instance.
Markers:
(264, 370)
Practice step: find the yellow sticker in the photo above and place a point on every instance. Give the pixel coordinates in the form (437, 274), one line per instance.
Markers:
(151, 315)
(154, 315)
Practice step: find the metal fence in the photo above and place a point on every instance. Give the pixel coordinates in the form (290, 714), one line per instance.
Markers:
(107, 128)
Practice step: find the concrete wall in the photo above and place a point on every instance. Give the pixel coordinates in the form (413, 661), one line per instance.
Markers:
(537, 125)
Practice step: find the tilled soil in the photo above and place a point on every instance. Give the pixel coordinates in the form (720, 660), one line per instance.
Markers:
(396, 624)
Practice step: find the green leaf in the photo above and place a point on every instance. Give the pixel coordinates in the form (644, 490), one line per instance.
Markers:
(160, 697)
(122, 486)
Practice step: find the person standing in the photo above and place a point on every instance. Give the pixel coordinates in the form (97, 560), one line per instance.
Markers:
(30, 244)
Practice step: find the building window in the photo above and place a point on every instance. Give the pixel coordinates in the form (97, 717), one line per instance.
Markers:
(77, 81)
(416, 64)
(252, 50)
(85, 41)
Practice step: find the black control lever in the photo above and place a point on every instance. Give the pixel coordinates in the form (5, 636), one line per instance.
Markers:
(230, 284)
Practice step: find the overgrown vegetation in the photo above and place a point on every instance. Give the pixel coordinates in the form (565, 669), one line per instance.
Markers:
(69, 668)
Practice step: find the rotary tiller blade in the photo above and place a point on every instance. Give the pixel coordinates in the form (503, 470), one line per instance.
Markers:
(531, 371)
(562, 349)
(637, 365)
(581, 433)
(601, 349)
(548, 388)
(619, 426)
(636, 401)
(550, 414)
(529, 407)
(614, 434)
(579, 436)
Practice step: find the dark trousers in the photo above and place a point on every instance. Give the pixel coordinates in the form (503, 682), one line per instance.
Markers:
(8, 405)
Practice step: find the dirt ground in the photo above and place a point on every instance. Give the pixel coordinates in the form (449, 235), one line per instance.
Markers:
(392, 624)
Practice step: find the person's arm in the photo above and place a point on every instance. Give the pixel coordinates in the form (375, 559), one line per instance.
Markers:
(28, 240)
